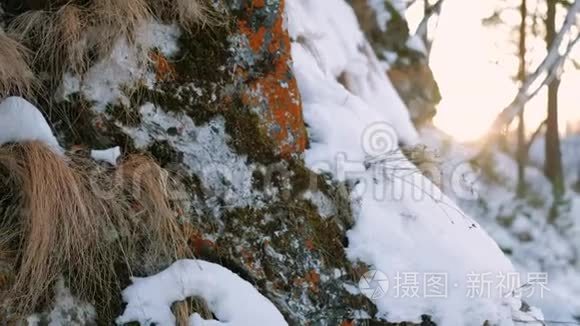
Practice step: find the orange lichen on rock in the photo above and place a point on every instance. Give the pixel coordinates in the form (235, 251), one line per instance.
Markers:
(260, 3)
(196, 240)
(310, 245)
(256, 39)
(276, 89)
(163, 69)
(313, 279)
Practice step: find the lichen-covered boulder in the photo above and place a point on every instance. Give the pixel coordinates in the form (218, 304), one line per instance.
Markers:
(219, 107)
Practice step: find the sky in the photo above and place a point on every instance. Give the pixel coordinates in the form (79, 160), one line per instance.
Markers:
(474, 65)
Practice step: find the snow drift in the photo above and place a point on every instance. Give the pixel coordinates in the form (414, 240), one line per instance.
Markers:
(405, 227)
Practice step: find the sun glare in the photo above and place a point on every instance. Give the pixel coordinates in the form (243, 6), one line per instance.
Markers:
(473, 67)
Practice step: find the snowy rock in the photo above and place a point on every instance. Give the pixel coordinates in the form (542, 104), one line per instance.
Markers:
(405, 54)
(224, 115)
(21, 121)
(221, 109)
(233, 301)
(66, 310)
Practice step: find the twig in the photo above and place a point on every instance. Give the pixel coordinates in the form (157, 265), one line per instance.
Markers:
(535, 135)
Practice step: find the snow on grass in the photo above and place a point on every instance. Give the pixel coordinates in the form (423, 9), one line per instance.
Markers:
(404, 224)
(21, 121)
(325, 206)
(126, 66)
(223, 173)
(231, 299)
(110, 155)
(66, 310)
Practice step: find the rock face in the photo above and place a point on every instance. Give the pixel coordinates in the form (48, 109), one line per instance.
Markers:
(224, 115)
(252, 212)
(409, 71)
(262, 68)
(417, 87)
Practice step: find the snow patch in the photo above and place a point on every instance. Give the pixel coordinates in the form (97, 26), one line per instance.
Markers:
(223, 173)
(231, 299)
(416, 43)
(382, 14)
(325, 205)
(334, 47)
(110, 155)
(67, 310)
(126, 65)
(21, 121)
(520, 225)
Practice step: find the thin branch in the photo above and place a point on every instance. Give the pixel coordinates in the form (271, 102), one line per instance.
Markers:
(410, 3)
(548, 70)
(556, 71)
(535, 135)
(422, 29)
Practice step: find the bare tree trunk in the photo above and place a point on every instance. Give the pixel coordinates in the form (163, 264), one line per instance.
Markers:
(425, 35)
(522, 153)
(522, 156)
(553, 165)
(543, 75)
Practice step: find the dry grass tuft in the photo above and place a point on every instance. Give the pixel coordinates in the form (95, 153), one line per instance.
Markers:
(145, 186)
(16, 77)
(187, 13)
(65, 38)
(114, 19)
(57, 37)
(79, 220)
(59, 227)
(71, 24)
